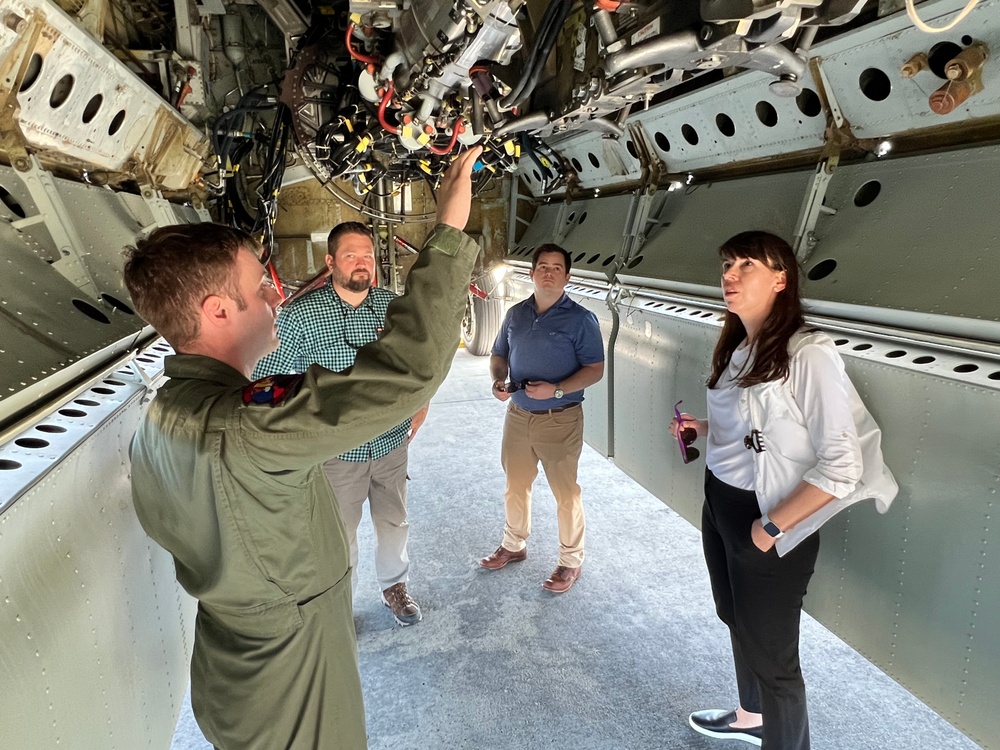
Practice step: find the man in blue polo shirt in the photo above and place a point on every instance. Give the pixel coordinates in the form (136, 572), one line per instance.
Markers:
(551, 348)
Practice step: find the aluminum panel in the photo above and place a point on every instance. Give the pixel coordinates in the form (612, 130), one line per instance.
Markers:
(888, 252)
(592, 230)
(97, 635)
(739, 119)
(681, 245)
(848, 63)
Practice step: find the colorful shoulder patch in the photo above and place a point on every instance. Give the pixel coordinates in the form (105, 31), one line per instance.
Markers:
(272, 390)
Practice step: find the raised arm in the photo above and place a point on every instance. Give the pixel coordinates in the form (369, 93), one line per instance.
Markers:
(327, 413)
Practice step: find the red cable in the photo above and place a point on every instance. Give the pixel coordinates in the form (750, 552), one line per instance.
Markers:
(455, 129)
(381, 110)
(350, 48)
(276, 280)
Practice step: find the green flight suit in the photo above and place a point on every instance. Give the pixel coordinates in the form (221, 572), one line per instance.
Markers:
(226, 477)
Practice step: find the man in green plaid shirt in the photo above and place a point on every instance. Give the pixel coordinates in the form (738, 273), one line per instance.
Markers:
(327, 327)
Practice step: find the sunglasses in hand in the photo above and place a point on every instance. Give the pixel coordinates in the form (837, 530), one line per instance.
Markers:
(685, 437)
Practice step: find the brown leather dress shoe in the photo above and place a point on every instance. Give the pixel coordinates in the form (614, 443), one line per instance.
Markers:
(562, 579)
(501, 557)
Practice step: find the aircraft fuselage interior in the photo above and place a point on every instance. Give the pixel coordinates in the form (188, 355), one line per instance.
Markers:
(637, 134)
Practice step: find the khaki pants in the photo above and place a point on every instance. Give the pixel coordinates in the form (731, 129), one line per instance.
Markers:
(556, 440)
(382, 483)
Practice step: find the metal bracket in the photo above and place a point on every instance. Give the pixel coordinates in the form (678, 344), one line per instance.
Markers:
(838, 135)
(653, 169)
(805, 239)
(561, 224)
(644, 205)
(53, 213)
(825, 91)
(159, 207)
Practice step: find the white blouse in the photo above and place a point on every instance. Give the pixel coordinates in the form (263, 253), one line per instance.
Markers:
(729, 423)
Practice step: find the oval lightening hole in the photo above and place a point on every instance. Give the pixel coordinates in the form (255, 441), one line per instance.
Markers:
(767, 114)
(808, 103)
(661, 142)
(61, 91)
(116, 122)
(940, 55)
(690, 134)
(91, 312)
(92, 108)
(32, 73)
(725, 125)
(32, 443)
(7, 465)
(11, 203)
(875, 84)
(50, 428)
(867, 193)
(822, 269)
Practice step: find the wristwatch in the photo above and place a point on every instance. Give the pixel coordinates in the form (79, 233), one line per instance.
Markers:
(771, 527)
(559, 392)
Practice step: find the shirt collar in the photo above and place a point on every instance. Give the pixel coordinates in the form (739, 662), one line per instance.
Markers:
(200, 367)
(563, 301)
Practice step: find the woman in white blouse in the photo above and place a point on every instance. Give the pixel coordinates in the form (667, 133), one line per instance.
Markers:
(784, 454)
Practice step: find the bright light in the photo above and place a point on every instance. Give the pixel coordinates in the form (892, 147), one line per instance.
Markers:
(499, 272)
(883, 148)
(675, 186)
(690, 179)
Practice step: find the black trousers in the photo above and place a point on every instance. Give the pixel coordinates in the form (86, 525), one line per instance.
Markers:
(759, 596)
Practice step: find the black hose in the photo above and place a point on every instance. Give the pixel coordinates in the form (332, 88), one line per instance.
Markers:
(544, 28)
(544, 53)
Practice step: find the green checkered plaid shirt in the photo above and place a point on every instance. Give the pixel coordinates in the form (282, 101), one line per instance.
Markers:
(322, 329)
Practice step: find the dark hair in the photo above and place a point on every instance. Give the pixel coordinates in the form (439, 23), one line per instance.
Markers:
(550, 247)
(170, 272)
(770, 348)
(345, 227)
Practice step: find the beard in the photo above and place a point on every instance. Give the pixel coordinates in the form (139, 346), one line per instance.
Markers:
(358, 281)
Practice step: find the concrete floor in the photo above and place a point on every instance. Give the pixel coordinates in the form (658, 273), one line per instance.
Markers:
(617, 663)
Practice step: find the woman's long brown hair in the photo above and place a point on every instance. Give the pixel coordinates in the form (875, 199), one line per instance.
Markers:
(770, 359)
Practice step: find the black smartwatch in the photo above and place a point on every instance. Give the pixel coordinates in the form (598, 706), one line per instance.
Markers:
(771, 527)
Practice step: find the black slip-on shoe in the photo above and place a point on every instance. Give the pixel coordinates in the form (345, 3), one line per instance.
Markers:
(714, 722)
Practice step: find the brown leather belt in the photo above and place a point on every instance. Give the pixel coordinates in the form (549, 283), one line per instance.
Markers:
(552, 411)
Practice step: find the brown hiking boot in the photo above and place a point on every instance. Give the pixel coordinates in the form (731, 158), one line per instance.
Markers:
(404, 609)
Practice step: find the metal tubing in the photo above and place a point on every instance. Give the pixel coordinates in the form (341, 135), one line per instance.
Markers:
(665, 50)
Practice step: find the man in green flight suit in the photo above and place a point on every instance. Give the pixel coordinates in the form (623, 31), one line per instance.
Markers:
(226, 472)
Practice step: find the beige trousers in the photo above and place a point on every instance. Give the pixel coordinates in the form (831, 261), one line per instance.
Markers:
(555, 440)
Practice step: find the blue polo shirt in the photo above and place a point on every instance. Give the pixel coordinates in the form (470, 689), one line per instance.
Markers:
(548, 347)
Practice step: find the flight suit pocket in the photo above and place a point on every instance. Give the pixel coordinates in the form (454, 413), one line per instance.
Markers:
(268, 620)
